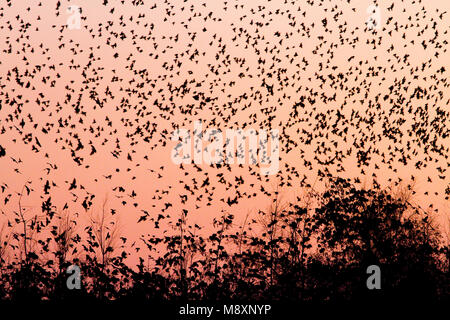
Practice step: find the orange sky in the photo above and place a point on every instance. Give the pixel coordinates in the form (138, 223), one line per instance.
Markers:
(159, 48)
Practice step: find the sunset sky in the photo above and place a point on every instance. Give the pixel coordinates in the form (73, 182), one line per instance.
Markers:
(135, 71)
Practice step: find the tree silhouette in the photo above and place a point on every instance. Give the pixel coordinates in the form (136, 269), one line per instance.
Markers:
(315, 250)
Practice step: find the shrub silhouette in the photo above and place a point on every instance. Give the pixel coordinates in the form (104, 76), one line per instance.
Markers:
(317, 250)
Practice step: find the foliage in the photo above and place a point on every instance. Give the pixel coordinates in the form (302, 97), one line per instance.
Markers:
(315, 250)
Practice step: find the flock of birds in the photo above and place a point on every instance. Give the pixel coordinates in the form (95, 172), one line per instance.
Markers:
(136, 71)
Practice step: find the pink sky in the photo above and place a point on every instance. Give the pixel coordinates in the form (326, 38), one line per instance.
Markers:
(192, 41)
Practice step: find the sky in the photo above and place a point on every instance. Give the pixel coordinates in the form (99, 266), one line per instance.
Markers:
(99, 103)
